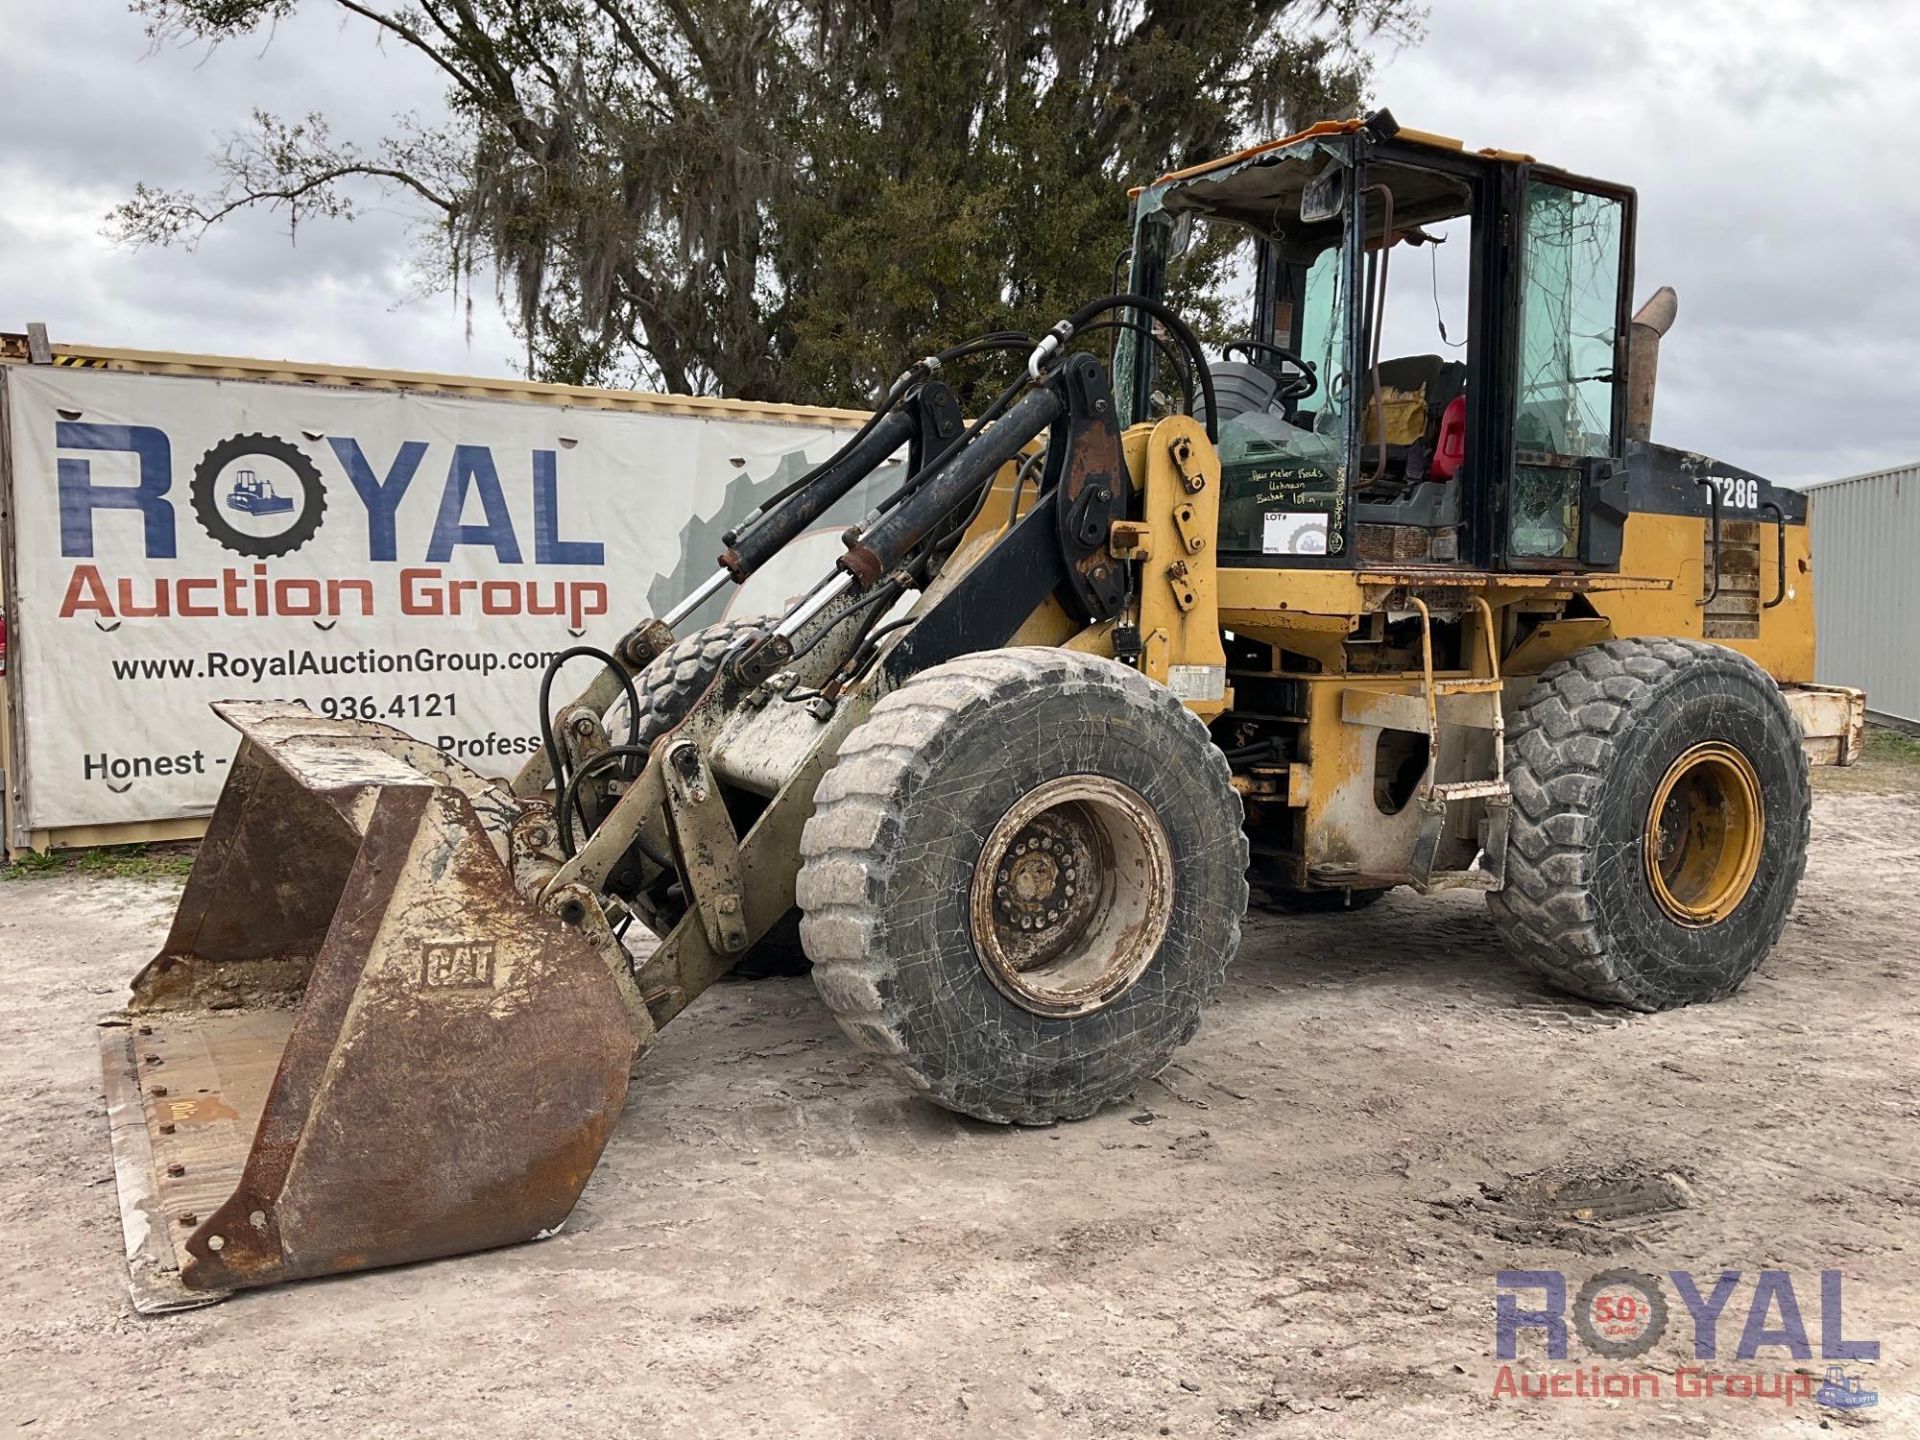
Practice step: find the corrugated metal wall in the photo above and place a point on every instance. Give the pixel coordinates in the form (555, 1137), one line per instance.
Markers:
(1866, 570)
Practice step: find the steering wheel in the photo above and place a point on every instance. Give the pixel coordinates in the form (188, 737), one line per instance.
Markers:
(1292, 387)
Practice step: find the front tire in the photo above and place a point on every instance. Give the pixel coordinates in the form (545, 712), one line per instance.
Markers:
(680, 675)
(1023, 879)
(1660, 818)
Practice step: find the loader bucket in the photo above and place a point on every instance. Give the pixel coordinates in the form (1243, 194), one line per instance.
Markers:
(360, 1045)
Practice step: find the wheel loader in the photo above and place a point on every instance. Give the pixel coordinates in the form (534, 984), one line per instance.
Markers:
(1162, 623)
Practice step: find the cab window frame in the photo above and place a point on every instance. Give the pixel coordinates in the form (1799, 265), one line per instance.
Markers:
(1514, 182)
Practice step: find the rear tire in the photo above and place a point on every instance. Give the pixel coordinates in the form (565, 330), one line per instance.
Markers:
(1023, 879)
(1660, 819)
(668, 689)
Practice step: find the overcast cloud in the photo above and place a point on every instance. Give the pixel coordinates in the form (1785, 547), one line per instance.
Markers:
(1769, 140)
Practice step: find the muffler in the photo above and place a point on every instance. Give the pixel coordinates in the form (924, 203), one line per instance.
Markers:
(361, 1045)
(1650, 324)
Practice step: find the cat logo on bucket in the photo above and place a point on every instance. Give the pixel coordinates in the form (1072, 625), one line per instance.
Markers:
(457, 965)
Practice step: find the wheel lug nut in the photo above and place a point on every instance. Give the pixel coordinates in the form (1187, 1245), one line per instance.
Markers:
(1046, 844)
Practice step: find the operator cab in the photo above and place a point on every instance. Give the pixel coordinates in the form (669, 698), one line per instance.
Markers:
(1419, 352)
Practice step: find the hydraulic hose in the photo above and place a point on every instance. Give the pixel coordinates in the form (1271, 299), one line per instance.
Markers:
(753, 547)
(895, 393)
(939, 548)
(570, 799)
(993, 340)
(1056, 338)
(1014, 340)
(1179, 362)
(995, 408)
(547, 740)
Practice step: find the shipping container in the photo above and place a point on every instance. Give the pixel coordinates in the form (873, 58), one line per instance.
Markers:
(1866, 543)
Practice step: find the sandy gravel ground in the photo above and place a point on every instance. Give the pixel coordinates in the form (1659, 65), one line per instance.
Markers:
(1294, 1232)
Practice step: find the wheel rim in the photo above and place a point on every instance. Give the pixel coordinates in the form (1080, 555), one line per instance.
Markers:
(1703, 834)
(1072, 895)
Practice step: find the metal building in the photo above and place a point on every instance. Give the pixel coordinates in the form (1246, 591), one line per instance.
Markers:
(1866, 533)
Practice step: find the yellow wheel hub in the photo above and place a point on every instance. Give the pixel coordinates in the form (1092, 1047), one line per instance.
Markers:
(1704, 831)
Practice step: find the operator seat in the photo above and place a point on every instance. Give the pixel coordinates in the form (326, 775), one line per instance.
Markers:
(1423, 410)
(1412, 511)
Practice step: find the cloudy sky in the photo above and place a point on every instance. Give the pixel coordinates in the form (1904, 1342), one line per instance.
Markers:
(1769, 139)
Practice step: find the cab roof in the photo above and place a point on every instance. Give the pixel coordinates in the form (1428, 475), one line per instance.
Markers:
(1327, 128)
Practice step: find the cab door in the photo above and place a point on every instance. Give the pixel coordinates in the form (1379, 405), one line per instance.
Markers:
(1565, 500)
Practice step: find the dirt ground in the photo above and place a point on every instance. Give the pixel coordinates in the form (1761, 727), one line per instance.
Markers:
(1294, 1232)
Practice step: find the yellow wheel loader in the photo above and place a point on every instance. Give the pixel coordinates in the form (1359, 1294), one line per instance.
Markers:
(1311, 609)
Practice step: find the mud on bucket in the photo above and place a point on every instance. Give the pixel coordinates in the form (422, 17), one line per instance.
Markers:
(360, 1044)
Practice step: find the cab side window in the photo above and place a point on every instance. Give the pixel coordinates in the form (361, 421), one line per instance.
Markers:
(1569, 315)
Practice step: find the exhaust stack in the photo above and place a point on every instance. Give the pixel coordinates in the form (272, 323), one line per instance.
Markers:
(1650, 322)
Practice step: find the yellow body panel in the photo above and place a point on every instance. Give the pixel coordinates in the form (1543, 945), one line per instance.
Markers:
(1330, 814)
(1676, 545)
(1177, 471)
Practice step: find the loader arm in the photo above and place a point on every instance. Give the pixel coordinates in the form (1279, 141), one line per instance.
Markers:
(744, 732)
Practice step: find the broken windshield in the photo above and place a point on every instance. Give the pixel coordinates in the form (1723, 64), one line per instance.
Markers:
(1569, 317)
(1254, 254)
(1198, 245)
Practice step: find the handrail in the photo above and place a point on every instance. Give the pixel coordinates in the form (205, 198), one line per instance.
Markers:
(1713, 499)
(1780, 518)
(1499, 718)
(1432, 698)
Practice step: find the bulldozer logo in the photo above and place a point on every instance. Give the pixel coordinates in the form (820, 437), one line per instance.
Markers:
(258, 496)
(457, 965)
(1841, 1391)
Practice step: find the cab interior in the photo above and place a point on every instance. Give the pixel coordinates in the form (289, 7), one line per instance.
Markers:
(1364, 322)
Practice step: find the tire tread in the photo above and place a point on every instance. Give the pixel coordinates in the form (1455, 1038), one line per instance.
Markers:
(848, 860)
(1567, 727)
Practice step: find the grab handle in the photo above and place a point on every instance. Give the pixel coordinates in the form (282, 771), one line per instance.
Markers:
(1780, 519)
(1713, 499)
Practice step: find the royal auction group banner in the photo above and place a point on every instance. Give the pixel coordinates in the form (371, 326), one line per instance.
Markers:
(393, 555)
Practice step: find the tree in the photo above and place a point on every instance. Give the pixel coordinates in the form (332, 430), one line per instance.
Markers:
(780, 200)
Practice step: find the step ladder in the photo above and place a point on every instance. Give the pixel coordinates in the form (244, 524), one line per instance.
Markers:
(1488, 870)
